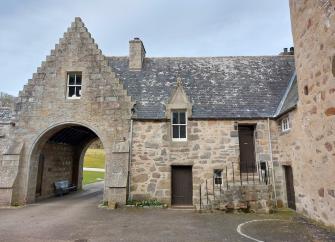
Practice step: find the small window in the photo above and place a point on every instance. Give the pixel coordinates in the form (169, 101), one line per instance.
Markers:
(217, 177)
(306, 90)
(179, 126)
(285, 124)
(74, 85)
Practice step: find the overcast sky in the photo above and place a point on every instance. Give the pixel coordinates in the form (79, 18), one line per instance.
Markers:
(29, 29)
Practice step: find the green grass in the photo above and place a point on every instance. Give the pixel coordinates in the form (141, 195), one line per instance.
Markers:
(92, 177)
(95, 158)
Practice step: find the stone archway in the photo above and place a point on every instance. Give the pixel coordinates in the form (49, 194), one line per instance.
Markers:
(61, 149)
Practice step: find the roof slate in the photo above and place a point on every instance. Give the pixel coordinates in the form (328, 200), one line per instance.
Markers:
(291, 99)
(218, 87)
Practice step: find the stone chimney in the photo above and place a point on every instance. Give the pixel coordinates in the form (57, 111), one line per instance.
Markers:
(136, 54)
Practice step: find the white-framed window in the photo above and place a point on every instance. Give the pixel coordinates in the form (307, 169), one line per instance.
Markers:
(179, 125)
(74, 80)
(285, 124)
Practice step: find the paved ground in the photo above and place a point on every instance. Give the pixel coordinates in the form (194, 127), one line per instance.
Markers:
(76, 217)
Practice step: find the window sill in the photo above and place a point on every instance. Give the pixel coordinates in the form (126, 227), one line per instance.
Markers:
(179, 140)
(73, 98)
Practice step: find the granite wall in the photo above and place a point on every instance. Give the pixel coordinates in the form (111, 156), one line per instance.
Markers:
(210, 145)
(313, 151)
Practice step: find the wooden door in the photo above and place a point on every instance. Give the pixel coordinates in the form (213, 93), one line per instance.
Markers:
(182, 188)
(247, 148)
(290, 187)
(40, 175)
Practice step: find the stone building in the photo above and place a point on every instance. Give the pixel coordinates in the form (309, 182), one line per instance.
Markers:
(175, 127)
(310, 146)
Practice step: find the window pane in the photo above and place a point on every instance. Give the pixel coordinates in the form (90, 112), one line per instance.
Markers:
(71, 79)
(78, 91)
(71, 91)
(182, 131)
(175, 132)
(182, 118)
(175, 118)
(78, 79)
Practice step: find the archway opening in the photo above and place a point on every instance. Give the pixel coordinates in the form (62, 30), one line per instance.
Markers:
(94, 163)
(60, 155)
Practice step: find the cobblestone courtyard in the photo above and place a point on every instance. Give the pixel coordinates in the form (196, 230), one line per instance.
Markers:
(77, 217)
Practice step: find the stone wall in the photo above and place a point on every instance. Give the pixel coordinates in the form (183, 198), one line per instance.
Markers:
(284, 145)
(58, 165)
(313, 24)
(5, 132)
(211, 145)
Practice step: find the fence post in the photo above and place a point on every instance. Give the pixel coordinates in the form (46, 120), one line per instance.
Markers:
(207, 191)
(233, 173)
(200, 196)
(213, 189)
(241, 175)
(227, 177)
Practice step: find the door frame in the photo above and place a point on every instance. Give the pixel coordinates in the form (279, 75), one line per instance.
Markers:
(191, 168)
(291, 203)
(254, 127)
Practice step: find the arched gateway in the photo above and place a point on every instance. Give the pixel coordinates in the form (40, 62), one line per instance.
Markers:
(72, 99)
(58, 154)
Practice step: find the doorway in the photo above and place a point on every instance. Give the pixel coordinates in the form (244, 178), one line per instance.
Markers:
(247, 148)
(289, 187)
(182, 186)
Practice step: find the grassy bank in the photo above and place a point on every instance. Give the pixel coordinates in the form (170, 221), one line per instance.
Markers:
(95, 158)
(92, 176)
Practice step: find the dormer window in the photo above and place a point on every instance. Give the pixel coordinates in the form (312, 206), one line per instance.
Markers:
(179, 125)
(74, 80)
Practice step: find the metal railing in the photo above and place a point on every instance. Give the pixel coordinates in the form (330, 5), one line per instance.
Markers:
(260, 175)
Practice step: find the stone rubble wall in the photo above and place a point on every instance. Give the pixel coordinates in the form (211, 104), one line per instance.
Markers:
(313, 152)
(6, 166)
(211, 145)
(249, 198)
(58, 165)
(5, 134)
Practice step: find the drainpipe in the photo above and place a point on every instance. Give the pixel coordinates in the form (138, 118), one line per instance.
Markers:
(271, 158)
(130, 156)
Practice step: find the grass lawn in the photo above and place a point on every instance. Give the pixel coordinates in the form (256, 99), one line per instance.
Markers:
(95, 158)
(92, 176)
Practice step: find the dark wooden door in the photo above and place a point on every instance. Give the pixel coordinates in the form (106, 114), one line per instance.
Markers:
(247, 148)
(40, 175)
(182, 185)
(290, 187)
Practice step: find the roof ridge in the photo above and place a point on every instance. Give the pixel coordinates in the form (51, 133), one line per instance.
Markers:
(208, 57)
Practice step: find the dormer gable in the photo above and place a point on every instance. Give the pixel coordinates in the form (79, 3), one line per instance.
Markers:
(179, 101)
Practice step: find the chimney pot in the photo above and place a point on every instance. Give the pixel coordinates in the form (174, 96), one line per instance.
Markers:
(292, 50)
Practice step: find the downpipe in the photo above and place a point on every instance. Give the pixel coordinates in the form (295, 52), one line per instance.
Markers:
(130, 156)
(272, 167)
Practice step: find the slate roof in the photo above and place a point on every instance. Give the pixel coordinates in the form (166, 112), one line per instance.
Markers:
(291, 99)
(5, 114)
(218, 87)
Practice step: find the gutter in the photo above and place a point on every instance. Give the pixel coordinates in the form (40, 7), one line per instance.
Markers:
(285, 95)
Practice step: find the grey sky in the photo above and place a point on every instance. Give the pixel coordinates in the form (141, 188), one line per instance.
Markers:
(30, 29)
